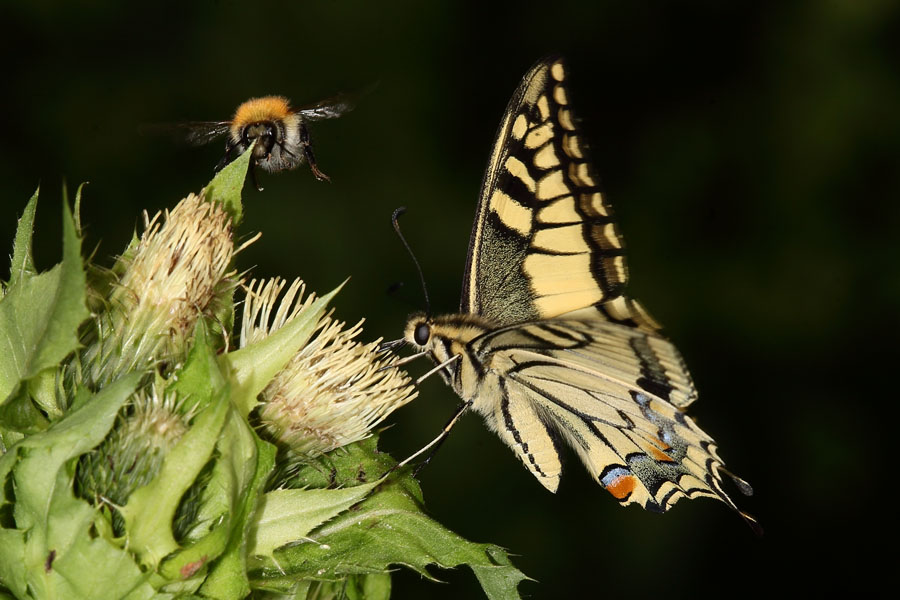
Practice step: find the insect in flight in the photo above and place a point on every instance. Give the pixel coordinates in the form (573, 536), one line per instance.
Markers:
(547, 346)
(280, 132)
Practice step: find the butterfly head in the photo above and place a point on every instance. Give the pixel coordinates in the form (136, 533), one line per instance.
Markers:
(419, 332)
(444, 338)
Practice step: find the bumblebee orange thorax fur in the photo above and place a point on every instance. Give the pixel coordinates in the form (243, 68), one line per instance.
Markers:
(267, 108)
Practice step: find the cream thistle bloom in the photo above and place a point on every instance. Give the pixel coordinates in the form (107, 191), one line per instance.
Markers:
(172, 276)
(334, 390)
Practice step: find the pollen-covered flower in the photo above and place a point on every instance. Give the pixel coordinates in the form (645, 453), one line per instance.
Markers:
(334, 390)
(173, 275)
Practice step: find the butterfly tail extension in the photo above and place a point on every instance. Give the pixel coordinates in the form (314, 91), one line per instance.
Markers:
(653, 467)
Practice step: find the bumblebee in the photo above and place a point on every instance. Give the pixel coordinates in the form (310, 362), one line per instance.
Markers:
(280, 132)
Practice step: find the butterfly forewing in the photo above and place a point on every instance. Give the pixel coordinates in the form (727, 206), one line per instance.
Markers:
(544, 241)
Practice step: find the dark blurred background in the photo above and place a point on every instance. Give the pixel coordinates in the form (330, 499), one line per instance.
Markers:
(750, 149)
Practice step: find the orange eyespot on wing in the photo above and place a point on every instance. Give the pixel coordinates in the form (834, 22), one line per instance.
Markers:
(619, 482)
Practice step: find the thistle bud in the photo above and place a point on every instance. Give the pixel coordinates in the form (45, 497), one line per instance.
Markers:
(133, 452)
(172, 277)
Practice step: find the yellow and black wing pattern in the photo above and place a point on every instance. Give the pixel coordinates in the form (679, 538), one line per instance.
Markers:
(545, 241)
(608, 391)
(548, 347)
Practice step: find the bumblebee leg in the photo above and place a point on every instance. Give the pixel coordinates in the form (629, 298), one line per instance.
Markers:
(253, 179)
(229, 147)
(308, 153)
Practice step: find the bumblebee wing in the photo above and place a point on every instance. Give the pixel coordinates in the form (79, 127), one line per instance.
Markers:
(333, 107)
(327, 109)
(199, 133)
(195, 133)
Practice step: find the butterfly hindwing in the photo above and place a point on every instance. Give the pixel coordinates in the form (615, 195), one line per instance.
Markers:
(610, 392)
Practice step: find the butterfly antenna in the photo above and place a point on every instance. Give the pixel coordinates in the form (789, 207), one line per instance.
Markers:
(394, 220)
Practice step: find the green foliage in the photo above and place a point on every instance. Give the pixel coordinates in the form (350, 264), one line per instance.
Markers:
(388, 527)
(61, 548)
(91, 509)
(39, 318)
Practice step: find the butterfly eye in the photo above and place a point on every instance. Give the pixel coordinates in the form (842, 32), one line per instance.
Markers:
(422, 333)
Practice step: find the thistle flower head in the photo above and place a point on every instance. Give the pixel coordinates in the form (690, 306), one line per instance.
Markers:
(331, 393)
(169, 280)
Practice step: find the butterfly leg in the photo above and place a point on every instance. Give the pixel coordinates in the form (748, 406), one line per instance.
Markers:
(436, 442)
(308, 153)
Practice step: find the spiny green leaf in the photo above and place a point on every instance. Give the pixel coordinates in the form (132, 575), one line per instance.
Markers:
(217, 553)
(40, 315)
(42, 454)
(90, 567)
(59, 525)
(151, 509)
(286, 516)
(228, 576)
(387, 528)
(222, 505)
(22, 261)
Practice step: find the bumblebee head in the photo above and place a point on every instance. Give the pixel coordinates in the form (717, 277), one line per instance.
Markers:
(264, 133)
